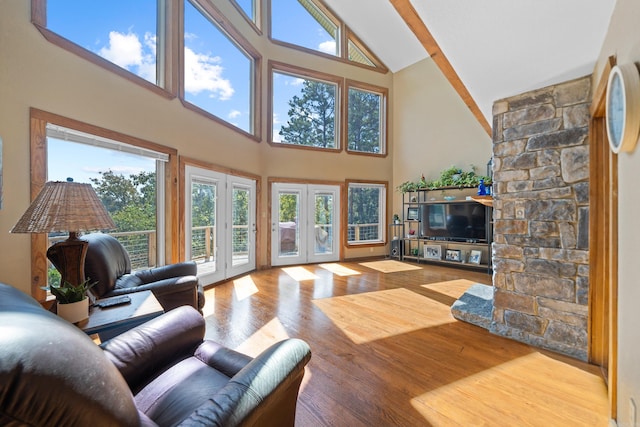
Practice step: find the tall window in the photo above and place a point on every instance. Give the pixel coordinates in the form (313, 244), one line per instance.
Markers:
(366, 119)
(218, 74)
(366, 207)
(125, 179)
(305, 109)
(124, 33)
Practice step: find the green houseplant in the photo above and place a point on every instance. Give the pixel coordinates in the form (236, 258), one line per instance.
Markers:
(72, 301)
(66, 293)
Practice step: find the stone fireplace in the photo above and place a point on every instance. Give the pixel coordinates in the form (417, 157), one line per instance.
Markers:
(541, 216)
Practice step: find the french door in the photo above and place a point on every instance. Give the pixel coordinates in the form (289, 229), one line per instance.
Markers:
(305, 223)
(220, 223)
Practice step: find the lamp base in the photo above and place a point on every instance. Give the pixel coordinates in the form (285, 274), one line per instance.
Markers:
(68, 258)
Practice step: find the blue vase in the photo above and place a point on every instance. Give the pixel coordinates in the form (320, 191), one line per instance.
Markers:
(482, 190)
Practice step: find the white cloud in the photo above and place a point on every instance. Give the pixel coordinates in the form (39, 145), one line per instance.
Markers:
(276, 119)
(328, 47)
(203, 73)
(124, 49)
(294, 81)
(234, 114)
(127, 51)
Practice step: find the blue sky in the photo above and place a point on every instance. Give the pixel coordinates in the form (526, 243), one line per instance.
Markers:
(216, 73)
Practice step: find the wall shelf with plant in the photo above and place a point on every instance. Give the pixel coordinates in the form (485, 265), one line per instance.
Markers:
(451, 178)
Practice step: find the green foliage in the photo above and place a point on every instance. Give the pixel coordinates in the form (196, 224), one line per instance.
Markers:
(450, 177)
(363, 205)
(131, 201)
(203, 205)
(312, 116)
(407, 187)
(364, 121)
(66, 293)
(53, 275)
(288, 207)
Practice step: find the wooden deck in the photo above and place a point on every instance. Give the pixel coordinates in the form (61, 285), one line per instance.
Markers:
(387, 352)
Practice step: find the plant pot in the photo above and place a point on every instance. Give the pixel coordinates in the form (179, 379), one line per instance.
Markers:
(74, 312)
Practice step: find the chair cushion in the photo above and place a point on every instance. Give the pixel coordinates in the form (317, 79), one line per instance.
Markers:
(179, 391)
(106, 261)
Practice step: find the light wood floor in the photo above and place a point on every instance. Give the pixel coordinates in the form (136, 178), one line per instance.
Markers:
(387, 352)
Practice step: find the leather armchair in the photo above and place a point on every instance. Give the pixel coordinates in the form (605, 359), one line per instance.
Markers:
(108, 263)
(162, 373)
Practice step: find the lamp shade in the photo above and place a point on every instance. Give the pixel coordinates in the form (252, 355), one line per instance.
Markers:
(67, 207)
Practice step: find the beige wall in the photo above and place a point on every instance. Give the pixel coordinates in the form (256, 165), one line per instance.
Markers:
(433, 128)
(35, 73)
(623, 40)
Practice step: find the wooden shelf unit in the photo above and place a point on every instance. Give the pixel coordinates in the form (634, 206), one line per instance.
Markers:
(473, 253)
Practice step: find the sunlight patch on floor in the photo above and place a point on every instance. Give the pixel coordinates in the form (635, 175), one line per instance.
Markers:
(483, 398)
(299, 274)
(452, 288)
(244, 287)
(390, 266)
(372, 316)
(340, 270)
(209, 302)
(263, 338)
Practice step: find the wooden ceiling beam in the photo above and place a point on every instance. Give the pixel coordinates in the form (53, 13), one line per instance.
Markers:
(415, 23)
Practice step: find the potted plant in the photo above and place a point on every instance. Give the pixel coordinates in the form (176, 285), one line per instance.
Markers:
(396, 219)
(72, 301)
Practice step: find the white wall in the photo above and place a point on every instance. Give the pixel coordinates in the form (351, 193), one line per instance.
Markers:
(433, 128)
(623, 40)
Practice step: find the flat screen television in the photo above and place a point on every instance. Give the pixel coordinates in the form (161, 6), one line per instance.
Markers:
(454, 221)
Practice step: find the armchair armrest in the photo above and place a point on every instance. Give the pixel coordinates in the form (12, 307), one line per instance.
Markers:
(188, 268)
(221, 358)
(143, 352)
(171, 293)
(266, 389)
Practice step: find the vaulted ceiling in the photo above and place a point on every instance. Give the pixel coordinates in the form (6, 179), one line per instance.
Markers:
(488, 49)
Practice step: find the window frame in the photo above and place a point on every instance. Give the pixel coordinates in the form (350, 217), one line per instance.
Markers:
(165, 84)
(170, 56)
(219, 20)
(38, 176)
(384, 116)
(384, 213)
(344, 35)
(295, 71)
(256, 23)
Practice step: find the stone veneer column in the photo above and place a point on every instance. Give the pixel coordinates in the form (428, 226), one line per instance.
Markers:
(541, 215)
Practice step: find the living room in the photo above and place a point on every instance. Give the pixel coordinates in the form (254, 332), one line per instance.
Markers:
(429, 128)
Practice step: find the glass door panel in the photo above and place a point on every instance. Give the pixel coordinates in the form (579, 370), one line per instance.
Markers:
(203, 234)
(220, 224)
(243, 226)
(304, 223)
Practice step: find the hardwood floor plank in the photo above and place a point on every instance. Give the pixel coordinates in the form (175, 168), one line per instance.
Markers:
(386, 350)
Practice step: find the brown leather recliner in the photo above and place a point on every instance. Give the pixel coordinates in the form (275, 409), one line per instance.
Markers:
(108, 263)
(161, 373)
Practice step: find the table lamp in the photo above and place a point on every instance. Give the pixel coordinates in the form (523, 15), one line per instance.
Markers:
(66, 207)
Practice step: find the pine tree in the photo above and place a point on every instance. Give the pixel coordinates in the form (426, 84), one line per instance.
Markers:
(312, 116)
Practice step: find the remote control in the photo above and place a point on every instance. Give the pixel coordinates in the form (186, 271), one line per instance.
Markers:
(110, 302)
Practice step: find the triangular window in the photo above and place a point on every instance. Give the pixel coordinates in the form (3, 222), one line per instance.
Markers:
(311, 25)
